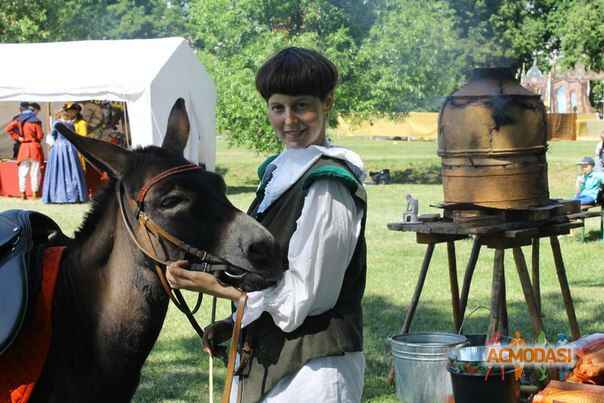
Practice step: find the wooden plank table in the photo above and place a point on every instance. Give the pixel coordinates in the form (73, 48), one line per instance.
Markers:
(500, 237)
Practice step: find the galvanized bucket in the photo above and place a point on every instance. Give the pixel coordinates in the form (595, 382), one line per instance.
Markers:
(420, 364)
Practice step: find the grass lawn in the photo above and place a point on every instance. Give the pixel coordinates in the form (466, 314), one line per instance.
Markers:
(177, 371)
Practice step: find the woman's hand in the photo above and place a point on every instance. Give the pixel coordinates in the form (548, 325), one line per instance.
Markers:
(179, 277)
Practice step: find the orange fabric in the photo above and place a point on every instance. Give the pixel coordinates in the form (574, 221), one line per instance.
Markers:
(570, 393)
(12, 129)
(589, 344)
(589, 369)
(21, 365)
(30, 148)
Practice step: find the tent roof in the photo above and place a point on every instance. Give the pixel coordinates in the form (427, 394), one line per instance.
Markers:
(148, 74)
(121, 67)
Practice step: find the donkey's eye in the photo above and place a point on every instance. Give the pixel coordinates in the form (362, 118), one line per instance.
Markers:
(170, 201)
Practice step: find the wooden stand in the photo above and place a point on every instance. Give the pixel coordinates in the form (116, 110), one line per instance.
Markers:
(500, 237)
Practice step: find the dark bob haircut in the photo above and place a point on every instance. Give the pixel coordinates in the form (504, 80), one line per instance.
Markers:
(297, 71)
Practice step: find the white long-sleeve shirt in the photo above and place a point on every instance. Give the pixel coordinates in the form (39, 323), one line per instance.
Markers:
(320, 250)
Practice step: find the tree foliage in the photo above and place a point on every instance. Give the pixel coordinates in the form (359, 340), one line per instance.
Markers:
(243, 35)
(22, 21)
(62, 20)
(410, 59)
(393, 55)
(582, 34)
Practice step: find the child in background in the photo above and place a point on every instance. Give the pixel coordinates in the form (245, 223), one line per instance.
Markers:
(589, 183)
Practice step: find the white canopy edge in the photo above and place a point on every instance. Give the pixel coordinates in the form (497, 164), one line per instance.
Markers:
(148, 74)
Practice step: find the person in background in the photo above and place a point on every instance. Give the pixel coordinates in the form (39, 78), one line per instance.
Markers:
(64, 179)
(27, 130)
(74, 111)
(303, 336)
(599, 154)
(23, 106)
(588, 183)
(79, 124)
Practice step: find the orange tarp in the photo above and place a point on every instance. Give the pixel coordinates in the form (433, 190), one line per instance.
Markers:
(21, 365)
(561, 126)
(419, 125)
(557, 392)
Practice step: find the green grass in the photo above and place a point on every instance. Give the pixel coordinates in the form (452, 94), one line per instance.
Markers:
(177, 371)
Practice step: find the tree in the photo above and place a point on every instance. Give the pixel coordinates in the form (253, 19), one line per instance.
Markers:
(146, 19)
(22, 21)
(244, 34)
(410, 59)
(581, 34)
(570, 30)
(58, 20)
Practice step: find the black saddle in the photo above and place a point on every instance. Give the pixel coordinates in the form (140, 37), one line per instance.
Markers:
(23, 237)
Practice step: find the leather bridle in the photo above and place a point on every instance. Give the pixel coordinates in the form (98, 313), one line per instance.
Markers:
(203, 260)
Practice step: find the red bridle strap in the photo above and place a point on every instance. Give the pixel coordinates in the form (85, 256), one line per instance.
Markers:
(140, 197)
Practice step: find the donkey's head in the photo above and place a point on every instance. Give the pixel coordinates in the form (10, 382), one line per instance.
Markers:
(175, 201)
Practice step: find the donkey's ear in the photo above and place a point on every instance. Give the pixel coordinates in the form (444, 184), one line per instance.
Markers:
(177, 133)
(105, 156)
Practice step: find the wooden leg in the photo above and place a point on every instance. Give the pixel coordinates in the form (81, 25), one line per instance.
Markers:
(418, 289)
(495, 322)
(536, 280)
(602, 222)
(467, 279)
(503, 306)
(527, 289)
(454, 284)
(568, 301)
(415, 299)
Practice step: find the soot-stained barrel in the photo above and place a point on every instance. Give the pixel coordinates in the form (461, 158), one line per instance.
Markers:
(492, 140)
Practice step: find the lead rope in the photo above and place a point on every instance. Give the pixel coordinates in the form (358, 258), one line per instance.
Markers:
(211, 364)
(228, 384)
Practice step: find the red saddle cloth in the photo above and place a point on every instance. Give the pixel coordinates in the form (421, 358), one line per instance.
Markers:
(21, 365)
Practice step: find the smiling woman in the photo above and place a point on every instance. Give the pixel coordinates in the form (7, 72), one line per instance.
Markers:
(303, 336)
(299, 121)
(298, 87)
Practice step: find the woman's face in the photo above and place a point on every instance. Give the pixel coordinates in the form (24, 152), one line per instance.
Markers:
(299, 120)
(69, 114)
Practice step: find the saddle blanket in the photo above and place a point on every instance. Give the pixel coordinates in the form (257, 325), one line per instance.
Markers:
(21, 365)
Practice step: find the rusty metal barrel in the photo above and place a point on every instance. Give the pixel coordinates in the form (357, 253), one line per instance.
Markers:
(492, 139)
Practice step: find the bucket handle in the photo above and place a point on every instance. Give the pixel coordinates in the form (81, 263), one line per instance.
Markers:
(478, 307)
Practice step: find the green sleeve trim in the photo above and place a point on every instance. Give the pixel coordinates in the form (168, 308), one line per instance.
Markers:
(341, 174)
(262, 167)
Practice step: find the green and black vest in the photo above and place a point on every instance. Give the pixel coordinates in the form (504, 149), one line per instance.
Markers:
(274, 353)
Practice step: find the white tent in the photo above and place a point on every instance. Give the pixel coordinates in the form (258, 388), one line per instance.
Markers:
(148, 74)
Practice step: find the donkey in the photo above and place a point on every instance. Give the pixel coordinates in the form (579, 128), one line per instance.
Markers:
(109, 305)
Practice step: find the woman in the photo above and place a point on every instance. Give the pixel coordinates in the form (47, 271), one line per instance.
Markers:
(79, 125)
(303, 337)
(64, 180)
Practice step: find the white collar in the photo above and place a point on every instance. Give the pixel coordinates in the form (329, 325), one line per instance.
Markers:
(291, 164)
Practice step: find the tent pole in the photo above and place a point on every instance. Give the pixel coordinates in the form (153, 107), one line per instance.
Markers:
(127, 126)
(49, 117)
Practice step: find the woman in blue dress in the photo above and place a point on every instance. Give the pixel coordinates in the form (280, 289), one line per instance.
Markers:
(63, 179)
